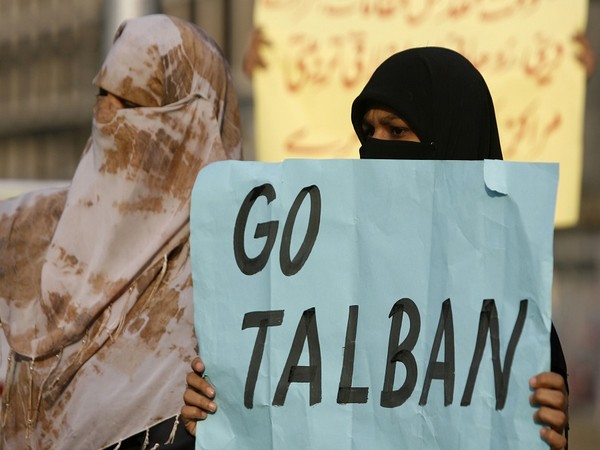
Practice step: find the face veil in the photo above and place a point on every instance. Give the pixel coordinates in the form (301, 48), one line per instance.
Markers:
(443, 98)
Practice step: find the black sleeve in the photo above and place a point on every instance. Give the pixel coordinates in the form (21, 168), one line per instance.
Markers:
(157, 437)
(558, 364)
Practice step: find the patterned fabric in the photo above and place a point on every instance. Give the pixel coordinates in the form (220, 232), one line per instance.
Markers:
(95, 280)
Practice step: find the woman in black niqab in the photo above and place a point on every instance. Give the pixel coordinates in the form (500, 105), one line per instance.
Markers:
(432, 103)
(443, 98)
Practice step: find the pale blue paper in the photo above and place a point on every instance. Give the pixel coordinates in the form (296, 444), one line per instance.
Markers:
(427, 230)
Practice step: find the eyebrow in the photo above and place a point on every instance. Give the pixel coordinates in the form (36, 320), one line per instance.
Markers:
(388, 118)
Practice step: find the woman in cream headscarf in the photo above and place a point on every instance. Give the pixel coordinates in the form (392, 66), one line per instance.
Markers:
(95, 280)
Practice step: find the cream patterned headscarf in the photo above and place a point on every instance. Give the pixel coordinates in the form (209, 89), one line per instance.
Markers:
(95, 281)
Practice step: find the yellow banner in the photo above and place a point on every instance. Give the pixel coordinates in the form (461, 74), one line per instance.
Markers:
(322, 52)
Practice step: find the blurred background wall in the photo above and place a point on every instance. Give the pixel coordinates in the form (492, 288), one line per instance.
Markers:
(51, 49)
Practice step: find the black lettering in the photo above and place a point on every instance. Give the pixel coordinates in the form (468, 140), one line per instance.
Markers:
(347, 393)
(292, 372)
(262, 320)
(247, 265)
(391, 398)
(291, 266)
(441, 370)
(488, 320)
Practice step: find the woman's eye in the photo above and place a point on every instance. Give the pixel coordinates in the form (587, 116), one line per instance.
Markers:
(368, 130)
(397, 131)
(124, 103)
(128, 104)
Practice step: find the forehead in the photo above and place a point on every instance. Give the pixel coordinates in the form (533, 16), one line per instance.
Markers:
(134, 67)
(379, 112)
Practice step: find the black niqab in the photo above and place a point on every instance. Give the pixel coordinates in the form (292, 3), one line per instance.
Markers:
(444, 99)
(446, 102)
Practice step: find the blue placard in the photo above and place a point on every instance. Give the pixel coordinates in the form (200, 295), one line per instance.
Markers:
(355, 304)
